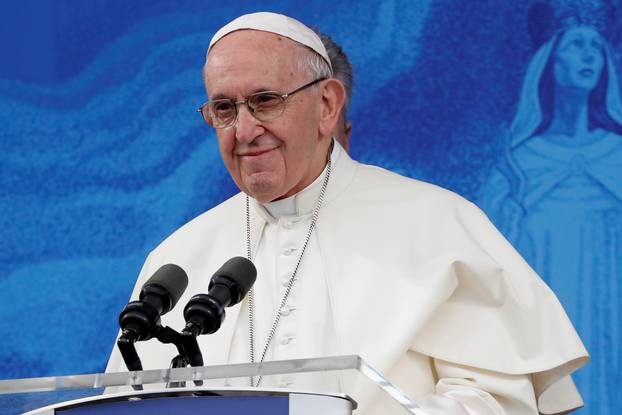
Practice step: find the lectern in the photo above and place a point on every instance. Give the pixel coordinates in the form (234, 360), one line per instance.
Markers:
(202, 390)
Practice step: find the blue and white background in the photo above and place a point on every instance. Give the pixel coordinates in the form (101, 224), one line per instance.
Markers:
(103, 156)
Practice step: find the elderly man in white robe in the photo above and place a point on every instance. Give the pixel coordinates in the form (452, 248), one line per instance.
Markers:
(354, 259)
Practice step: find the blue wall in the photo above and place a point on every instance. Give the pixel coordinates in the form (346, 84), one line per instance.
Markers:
(103, 155)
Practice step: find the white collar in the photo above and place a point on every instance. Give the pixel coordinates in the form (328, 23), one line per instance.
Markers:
(303, 202)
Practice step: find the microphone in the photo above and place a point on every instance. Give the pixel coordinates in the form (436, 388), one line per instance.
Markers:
(140, 320)
(205, 313)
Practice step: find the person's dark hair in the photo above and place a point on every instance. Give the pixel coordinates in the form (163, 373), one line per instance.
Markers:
(598, 116)
(342, 68)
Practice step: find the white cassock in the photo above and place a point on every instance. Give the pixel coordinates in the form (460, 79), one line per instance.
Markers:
(410, 276)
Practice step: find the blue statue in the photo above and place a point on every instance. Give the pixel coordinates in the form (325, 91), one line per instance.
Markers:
(557, 191)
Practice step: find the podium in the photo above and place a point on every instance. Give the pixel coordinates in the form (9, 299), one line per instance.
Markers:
(210, 389)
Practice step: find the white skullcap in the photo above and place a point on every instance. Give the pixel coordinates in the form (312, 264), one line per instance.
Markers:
(274, 23)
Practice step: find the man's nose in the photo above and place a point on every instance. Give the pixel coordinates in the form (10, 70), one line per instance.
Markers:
(247, 127)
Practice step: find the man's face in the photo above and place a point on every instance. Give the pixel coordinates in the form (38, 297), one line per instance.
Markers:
(271, 159)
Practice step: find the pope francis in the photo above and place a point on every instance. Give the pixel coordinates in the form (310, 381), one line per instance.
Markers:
(354, 259)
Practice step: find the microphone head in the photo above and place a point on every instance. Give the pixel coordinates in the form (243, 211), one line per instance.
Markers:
(241, 272)
(170, 280)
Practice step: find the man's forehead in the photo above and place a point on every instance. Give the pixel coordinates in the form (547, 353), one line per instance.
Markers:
(254, 51)
(248, 61)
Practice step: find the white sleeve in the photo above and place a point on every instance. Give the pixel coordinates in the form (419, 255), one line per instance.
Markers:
(470, 391)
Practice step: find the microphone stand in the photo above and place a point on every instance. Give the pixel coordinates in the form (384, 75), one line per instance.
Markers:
(168, 335)
(165, 335)
(125, 343)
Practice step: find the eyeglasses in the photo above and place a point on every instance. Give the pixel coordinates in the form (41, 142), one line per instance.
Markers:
(265, 105)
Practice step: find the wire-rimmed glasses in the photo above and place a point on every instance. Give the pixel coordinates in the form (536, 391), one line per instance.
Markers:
(265, 105)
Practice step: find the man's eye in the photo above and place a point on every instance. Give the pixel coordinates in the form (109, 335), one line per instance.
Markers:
(222, 107)
(266, 101)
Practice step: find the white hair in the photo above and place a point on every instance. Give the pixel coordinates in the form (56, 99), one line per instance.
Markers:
(313, 64)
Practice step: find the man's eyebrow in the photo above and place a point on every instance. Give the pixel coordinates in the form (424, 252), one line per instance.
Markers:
(218, 96)
(254, 91)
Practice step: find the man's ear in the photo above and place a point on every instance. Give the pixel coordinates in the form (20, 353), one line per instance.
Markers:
(333, 98)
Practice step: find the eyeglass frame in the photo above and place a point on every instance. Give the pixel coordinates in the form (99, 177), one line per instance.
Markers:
(237, 104)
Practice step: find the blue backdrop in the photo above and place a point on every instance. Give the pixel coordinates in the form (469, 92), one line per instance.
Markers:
(103, 156)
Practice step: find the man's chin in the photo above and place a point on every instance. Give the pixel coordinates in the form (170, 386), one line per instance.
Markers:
(262, 190)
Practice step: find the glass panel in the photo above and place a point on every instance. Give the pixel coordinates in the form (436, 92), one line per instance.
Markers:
(318, 375)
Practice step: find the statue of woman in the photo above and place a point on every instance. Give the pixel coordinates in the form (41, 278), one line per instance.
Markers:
(557, 192)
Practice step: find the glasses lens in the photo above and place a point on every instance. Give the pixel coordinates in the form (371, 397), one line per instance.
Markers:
(222, 112)
(266, 105)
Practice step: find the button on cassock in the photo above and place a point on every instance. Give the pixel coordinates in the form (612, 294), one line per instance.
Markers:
(285, 340)
(289, 224)
(285, 281)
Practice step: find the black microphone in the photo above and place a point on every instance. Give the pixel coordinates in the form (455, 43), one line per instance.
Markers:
(205, 313)
(140, 320)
